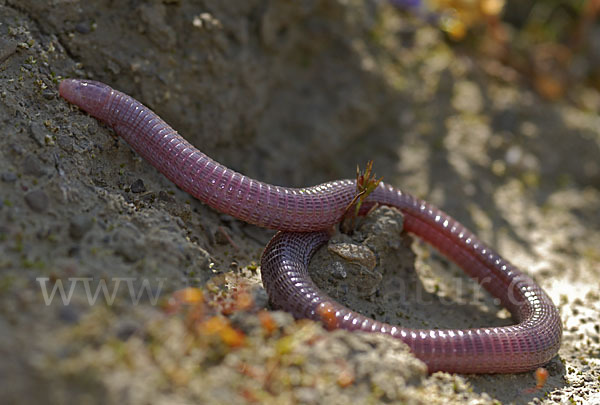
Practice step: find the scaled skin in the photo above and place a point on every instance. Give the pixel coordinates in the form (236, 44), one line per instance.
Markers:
(532, 342)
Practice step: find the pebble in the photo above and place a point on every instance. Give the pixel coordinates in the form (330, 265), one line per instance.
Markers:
(337, 270)
(260, 297)
(221, 236)
(16, 149)
(74, 251)
(9, 177)
(68, 314)
(79, 226)
(7, 48)
(128, 242)
(38, 133)
(37, 200)
(83, 28)
(92, 127)
(65, 142)
(32, 166)
(354, 253)
(164, 196)
(157, 29)
(138, 186)
(126, 328)
(48, 94)
(513, 155)
(226, 218)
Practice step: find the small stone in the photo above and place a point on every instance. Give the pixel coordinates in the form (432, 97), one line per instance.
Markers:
(260, 297)
(92, 127)
(226, 218)
(32, 166)
(164, 196)
(83, 28)
(37, 200)
(16, 149)
(7, 48)
(9, 177)
(38, 132)
(337, 270)
(79, 226)
(74, 251)
(306, 395)
(126, 329)
(354, 253)
(68, 314)
(48, 94)
(65, 142)
(128, 243)
(138, 186)
(513, 155)
(157, 29)
(221, 237)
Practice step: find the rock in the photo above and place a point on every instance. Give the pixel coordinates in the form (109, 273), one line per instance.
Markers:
(33, 166)
(65, 142)
(164, 196)
(68, 314)
(354, 253)
(38, 132)
(83, 28)
(48, 94)
(260, 297)
(138, 186)
(9, 177)
(79, 226)
(337, 270)
(157, 27)
(128, 243)
(7, 48)
(126, 328)
(37, 200)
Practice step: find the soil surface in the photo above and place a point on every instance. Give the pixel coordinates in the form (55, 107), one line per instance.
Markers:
(293, 93)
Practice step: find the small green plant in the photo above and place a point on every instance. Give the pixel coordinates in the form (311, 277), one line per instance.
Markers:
(365, 184)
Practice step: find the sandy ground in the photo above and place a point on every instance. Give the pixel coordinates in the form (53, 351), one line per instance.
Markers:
(295, 94)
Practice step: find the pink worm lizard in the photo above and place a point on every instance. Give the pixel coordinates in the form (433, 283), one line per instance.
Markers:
(303, 214)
